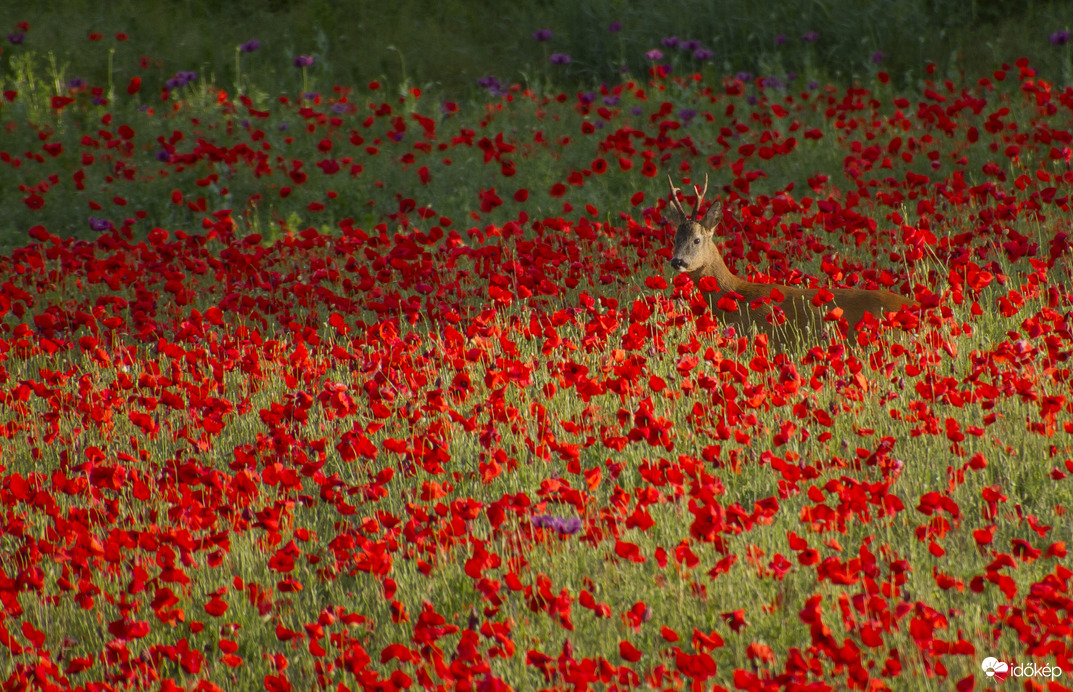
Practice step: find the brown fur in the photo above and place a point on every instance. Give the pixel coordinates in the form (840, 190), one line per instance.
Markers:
(696, 254)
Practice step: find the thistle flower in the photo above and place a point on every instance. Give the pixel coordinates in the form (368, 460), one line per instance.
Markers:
(99, 225)
(180, 79)
(492, 84)
(564, 526)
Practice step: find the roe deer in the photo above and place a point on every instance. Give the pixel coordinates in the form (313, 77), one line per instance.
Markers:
(695, 254)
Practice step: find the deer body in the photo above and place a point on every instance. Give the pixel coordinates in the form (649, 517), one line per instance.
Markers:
(696, 254)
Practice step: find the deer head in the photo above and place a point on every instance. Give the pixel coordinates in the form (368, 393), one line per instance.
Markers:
(693, 239)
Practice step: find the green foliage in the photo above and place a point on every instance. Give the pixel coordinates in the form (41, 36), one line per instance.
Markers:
(446, 46)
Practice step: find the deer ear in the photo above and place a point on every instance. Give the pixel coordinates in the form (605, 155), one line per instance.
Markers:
(715, 212)
(673, 216)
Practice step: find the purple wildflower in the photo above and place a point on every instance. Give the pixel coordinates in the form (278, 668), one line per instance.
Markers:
(99, 225)
(689, 46)
(559, 59)
(304, 61)
(809, 36)
(669, 41)
(614, 27)
(16, 38)
(492, 84)
(654, 54)
(780, 39)
(250, 46)
(75, 83)
(687, 114)
(1058, 38)
(611, 100)
(570, 526)
(181, 79)
(877, 57)
(564, 526)
(744, 76)
(542, 35)
(702, 54)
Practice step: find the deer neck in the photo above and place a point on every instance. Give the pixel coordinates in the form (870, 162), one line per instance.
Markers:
(716, 268)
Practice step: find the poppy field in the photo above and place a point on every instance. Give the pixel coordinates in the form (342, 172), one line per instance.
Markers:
(361, 388)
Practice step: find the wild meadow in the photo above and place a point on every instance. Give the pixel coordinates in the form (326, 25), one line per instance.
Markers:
(384, 384)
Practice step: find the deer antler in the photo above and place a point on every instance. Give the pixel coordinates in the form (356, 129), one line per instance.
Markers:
(674, 199)
(700, 197)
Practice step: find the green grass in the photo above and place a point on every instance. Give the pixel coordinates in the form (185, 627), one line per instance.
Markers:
(446, 46)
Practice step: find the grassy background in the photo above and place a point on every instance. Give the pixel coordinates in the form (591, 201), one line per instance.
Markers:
(449, 45)
(443, 48)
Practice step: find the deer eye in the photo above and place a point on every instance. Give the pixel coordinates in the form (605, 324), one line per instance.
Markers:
(696, 241)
